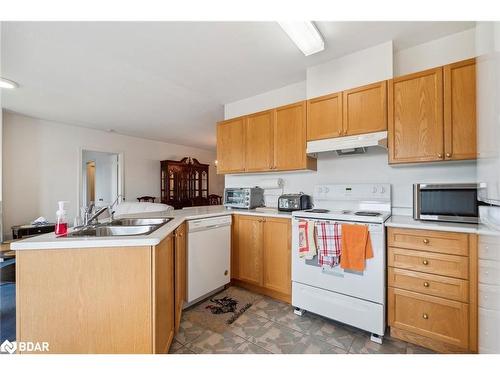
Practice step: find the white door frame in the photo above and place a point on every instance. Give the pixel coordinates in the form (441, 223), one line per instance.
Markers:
(121, 174)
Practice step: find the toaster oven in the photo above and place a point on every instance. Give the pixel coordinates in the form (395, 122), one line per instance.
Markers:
(243, 197)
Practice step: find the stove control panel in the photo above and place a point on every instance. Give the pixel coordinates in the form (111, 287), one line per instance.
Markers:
(355, 192)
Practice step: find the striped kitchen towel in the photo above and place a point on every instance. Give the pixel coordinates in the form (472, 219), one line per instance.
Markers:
(328, 242)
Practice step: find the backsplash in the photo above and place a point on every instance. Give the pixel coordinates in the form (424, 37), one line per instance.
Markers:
(371, 167)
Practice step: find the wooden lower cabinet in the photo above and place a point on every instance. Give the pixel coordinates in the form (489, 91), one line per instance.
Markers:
(163, 294)
(180, 271)
(261, 255)
(437, 318)
(111, 300)
(432, 294)
(248, 242)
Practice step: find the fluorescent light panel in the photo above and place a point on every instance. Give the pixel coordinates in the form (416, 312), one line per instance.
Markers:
(7, 84)
(305, 35)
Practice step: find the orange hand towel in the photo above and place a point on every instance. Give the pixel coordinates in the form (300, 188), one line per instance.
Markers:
(356, 247)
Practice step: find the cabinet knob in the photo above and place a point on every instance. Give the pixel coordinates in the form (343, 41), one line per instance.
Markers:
(425, 316)
(440, 156)
(448, 155)
(426, 241)
(426, 284)
(345, 132)
(225, 273)
(340, 132)
(425, 262)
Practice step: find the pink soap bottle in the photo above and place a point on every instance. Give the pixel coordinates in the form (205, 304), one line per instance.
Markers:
(62, 220)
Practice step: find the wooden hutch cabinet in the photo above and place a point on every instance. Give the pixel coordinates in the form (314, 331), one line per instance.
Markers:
(184, 183)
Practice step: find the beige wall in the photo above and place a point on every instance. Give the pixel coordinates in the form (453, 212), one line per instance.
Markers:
(41, 165)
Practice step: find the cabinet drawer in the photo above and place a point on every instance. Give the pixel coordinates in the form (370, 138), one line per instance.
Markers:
(429, 316)
(439, 286)
(434, 263)
(435, 241)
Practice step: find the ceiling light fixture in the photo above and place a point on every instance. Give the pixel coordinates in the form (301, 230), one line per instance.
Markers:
(7, 83)
(305, 35)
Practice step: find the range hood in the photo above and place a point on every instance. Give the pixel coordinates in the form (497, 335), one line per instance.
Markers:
(353, 144)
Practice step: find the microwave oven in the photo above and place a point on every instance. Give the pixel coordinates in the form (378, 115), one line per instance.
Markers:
(243, 197)
(446, 202)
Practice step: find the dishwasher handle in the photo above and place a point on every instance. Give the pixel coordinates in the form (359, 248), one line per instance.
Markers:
(199, 225)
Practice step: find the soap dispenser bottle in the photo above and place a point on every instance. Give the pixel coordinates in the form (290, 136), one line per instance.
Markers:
(62, 220)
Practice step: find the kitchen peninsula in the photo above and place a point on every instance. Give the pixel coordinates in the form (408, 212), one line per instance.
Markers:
(116, 294)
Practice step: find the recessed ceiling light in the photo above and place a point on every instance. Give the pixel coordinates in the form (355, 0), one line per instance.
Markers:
(305, 35)
(7, 83)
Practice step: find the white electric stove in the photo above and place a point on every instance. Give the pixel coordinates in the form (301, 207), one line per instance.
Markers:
(354, 298)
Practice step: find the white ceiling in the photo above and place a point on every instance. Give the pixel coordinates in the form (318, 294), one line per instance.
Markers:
(169, 80)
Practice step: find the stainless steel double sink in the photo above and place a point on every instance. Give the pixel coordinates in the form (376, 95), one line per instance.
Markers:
(122, 227)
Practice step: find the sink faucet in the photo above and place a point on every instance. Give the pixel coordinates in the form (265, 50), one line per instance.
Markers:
(89, 219)
(89, 216)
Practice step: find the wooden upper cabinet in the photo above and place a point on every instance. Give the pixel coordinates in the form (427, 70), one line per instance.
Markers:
(460, 110)
(231, 146)
(249, 249)
(324, 117)
(365, 109)
(259, 141)
(290, 138)
(277, 255)
(416, 117)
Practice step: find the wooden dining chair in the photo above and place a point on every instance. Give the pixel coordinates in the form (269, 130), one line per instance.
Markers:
(146, 198)
(214, 200)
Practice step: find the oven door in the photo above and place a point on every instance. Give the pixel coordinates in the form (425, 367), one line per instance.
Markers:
(368, 285)
(446, 202)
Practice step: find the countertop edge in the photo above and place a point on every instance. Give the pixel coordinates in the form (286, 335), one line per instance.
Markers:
(49, 242)
(407, 222)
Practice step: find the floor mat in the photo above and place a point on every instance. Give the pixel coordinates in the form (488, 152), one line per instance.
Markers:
(222, 309)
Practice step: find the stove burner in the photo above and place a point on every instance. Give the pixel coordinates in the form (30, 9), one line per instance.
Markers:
(367, 213)
(318, 211)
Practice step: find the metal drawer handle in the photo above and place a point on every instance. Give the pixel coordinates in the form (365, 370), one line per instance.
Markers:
(426, 284)
(425, 262)
(425, 316)
(426, 241)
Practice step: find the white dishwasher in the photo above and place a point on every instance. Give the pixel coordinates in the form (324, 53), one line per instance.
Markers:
(208, 255)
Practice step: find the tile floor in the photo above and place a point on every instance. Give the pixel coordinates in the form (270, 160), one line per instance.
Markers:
(270, 326)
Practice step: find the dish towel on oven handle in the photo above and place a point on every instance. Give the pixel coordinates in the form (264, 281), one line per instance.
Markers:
(307, 243)
(357, 247)
(329, 243)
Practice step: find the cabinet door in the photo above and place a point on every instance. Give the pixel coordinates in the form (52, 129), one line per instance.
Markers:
(290, 137)
(180, 272)
(249, 248)
(324, 117)
(163, 292)
(365, 109)
(416, 117)
(437, 318)
(259, 141)
(231, 146)
(277, 255)
(460, 110)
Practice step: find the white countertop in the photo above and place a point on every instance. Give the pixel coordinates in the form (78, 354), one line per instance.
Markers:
(50, 241)
(400, 221)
